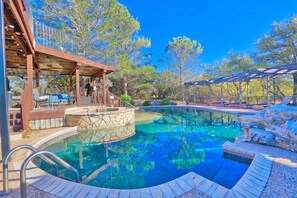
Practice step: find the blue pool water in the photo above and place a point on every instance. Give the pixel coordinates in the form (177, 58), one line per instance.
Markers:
(181, 141)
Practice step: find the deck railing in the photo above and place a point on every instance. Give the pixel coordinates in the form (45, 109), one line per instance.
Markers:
(113, 100)
(56, 39)
(29, 13)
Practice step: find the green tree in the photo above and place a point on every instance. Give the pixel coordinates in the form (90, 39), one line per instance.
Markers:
(236, 63)
(166, 84)
(280, 46)
(124, 42)
(81, 21)
(184, 53)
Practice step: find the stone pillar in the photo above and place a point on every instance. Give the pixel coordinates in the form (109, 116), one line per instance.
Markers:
(77, 86)
(104, 88)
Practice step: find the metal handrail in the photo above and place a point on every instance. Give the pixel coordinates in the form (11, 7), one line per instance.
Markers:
(129, 105)
(48, 154)
(12, 151)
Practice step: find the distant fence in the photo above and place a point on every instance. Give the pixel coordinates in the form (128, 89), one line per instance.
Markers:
(247, 99)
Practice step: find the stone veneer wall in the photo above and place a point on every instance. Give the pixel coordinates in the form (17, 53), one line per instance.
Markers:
(273, 126)
(94, 125)
(46, 123)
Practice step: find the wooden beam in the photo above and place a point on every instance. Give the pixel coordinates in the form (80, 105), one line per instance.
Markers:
(98, 74)
(21, 18)
(76, 66)
(60, 54)
(9, 21)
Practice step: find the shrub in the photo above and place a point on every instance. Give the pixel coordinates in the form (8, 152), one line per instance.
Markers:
(146, 103)
(128, 99)
(165, 101)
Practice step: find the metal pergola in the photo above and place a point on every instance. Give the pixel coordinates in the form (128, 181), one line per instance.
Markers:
(267, 73)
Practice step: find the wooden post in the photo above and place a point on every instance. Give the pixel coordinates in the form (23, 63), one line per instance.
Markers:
(247, 91)
(210, 94)
(30, 79)
(268, 89)
(77, 86)
(94, 90)
(70, 82)
(37, 78)
(274, 91)
(104, 88)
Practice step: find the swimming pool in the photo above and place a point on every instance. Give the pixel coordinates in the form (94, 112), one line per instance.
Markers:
(182, 140)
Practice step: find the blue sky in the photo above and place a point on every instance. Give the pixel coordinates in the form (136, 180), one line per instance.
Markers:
(219, 25)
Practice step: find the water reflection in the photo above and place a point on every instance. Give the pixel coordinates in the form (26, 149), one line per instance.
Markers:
(178, 142)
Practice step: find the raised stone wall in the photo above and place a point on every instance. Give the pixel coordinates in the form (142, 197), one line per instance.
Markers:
(274, 126)
(101, 125)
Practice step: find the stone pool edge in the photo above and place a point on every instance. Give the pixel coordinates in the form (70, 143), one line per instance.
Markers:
(251, 184)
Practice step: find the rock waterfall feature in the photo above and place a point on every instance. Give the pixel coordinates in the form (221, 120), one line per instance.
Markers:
(273, 126)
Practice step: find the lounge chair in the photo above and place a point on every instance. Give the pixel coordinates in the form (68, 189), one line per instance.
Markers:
(264, 103)
(54, 100)
(238, 102)
(38, 101)
(64, 98)
(221, 101)
(286, 100)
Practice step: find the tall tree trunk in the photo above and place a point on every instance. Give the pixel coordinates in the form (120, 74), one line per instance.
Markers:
(295, 89)
(125, 85)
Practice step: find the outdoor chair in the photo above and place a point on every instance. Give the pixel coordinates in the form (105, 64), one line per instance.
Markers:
(72, 97)
(264, 103)
(54, 100)
(286, 100)
(221, 101)
(238, 102)
(38, 101)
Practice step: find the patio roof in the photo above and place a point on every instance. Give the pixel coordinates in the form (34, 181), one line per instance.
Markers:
(246, 76)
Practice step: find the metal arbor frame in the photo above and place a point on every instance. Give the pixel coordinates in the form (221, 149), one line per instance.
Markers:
(267, 73)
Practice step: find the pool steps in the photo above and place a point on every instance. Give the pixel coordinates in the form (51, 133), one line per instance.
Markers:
(251, 184)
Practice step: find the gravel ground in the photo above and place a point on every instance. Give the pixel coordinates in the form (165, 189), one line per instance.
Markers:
(194, 193)
(283, 177)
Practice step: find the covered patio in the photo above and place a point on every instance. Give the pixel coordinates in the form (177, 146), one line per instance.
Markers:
(32, 52)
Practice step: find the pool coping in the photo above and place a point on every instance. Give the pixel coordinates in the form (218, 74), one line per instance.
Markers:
(251, 184)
